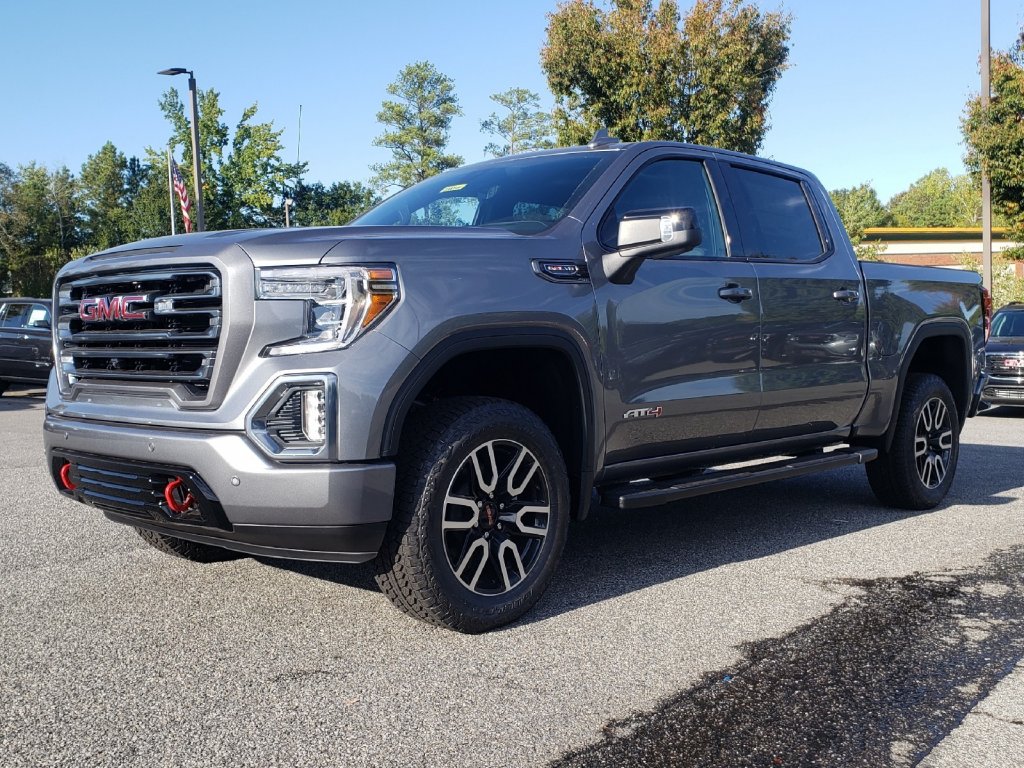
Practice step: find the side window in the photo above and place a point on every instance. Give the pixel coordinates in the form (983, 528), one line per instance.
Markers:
(15, 316)
(38, 317)
(669, 184)
(775, 216)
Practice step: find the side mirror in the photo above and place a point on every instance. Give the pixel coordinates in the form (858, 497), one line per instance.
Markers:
(651, 234)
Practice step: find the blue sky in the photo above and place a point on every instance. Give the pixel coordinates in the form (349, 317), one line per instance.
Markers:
(874, 91)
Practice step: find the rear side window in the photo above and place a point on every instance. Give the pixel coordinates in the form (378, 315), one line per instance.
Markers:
(775, 216)
(16, 316)
(669, 184)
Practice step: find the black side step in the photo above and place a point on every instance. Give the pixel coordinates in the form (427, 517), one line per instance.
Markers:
(651, 494)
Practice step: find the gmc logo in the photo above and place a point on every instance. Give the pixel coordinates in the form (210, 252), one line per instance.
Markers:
(101, 309)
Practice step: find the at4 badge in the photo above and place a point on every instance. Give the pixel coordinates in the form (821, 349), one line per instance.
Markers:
(643, 413)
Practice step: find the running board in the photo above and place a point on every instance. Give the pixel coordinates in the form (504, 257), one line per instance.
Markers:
(651, 494)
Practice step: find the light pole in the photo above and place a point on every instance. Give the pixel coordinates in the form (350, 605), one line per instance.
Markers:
(197, 172)
(986, 184)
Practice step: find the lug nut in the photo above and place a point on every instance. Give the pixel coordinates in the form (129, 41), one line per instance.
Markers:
(501, 506)
(487, 535)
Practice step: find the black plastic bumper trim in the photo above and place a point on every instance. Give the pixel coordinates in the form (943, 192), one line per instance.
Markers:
(325, 543)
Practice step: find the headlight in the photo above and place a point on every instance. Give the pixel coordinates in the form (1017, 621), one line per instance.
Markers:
(341, 302)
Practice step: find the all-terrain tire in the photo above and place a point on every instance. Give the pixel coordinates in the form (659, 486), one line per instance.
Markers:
(189, 550)
(917, 470)
(481, 514)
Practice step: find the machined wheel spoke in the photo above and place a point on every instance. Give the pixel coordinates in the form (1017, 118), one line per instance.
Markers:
(477, 546)
(487, 486)
(459, 525)
(506, 548)
(946, 440)
(920, 446)
(516, 489)
(532, 530)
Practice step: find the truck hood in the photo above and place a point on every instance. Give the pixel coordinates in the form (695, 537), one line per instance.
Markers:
(1005, 344)
(310, 245)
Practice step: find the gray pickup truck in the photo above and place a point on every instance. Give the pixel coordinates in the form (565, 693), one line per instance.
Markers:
(442, 385)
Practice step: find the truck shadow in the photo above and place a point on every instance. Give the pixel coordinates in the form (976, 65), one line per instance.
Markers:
(613, 553)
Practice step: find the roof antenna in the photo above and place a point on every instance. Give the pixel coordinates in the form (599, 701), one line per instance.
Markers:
(601, 138)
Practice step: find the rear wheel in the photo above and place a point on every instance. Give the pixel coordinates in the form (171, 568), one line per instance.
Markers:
(917, 470)
(481, 515)
(189, 550)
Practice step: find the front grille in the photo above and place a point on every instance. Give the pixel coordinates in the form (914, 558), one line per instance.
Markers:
(1012, 363)
(138, 489)
(153, 326)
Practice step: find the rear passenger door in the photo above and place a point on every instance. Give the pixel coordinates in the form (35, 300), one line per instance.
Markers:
(679, 343)
(813, 308)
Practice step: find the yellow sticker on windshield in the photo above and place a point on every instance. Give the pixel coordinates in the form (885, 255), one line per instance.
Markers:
(453, 188)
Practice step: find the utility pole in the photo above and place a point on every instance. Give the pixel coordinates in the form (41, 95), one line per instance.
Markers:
(986, 184)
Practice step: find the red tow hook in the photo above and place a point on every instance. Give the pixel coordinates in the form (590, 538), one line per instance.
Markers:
(179, 499)
(65, 477)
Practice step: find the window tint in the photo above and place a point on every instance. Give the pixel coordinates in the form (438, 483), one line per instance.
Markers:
(669, 184)
(775, 216)
(15, 316)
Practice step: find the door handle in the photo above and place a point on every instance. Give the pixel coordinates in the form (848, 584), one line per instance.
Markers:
(735, 293)
(846, 295)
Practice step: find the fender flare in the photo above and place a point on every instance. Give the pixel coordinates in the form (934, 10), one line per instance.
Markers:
(929, 330)
(503, 338)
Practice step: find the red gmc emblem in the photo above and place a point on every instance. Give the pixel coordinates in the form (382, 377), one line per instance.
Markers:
(101, 309)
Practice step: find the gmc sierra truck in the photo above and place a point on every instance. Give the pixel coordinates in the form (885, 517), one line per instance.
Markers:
(440, 386)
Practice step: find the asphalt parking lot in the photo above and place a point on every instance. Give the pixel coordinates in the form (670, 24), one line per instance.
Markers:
(116, 655)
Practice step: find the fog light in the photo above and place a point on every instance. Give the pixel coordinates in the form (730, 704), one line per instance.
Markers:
(294, 418)
(314, 421)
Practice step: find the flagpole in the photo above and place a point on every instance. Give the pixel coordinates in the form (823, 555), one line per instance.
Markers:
(170, 190)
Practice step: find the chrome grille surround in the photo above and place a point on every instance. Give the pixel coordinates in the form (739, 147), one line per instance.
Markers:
(160, 325)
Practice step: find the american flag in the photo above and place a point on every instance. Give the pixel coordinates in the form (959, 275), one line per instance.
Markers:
(179, 187)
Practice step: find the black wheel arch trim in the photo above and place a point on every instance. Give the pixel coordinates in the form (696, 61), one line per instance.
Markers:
(930, 329)
(484, 339)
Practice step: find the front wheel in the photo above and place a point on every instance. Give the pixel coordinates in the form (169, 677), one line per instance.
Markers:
(917, 470)
(481, 515)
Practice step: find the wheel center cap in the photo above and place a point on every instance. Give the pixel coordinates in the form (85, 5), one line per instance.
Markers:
(490, 517)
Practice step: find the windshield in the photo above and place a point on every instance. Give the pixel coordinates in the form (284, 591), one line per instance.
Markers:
(1008, 324)
(524, 195)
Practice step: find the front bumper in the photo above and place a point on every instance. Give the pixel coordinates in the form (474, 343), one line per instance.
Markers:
(1004, 390)
(332, 512)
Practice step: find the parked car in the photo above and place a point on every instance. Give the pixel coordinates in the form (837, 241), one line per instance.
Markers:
(1004, 357)
(26, 346)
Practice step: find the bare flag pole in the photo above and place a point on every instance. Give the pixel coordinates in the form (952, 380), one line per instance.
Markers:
(170, 189)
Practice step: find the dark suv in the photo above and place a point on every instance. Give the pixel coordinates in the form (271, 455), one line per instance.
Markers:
(1004, 355)
(25, 344)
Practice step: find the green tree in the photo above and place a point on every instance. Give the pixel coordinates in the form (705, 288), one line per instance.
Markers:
(320, 206)
(417, 124)
(523, 128)
(995, 138)
(635, 71)
(40, 225)
(244, 175)
(105, 197)
(860, 208)
(938, 199)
